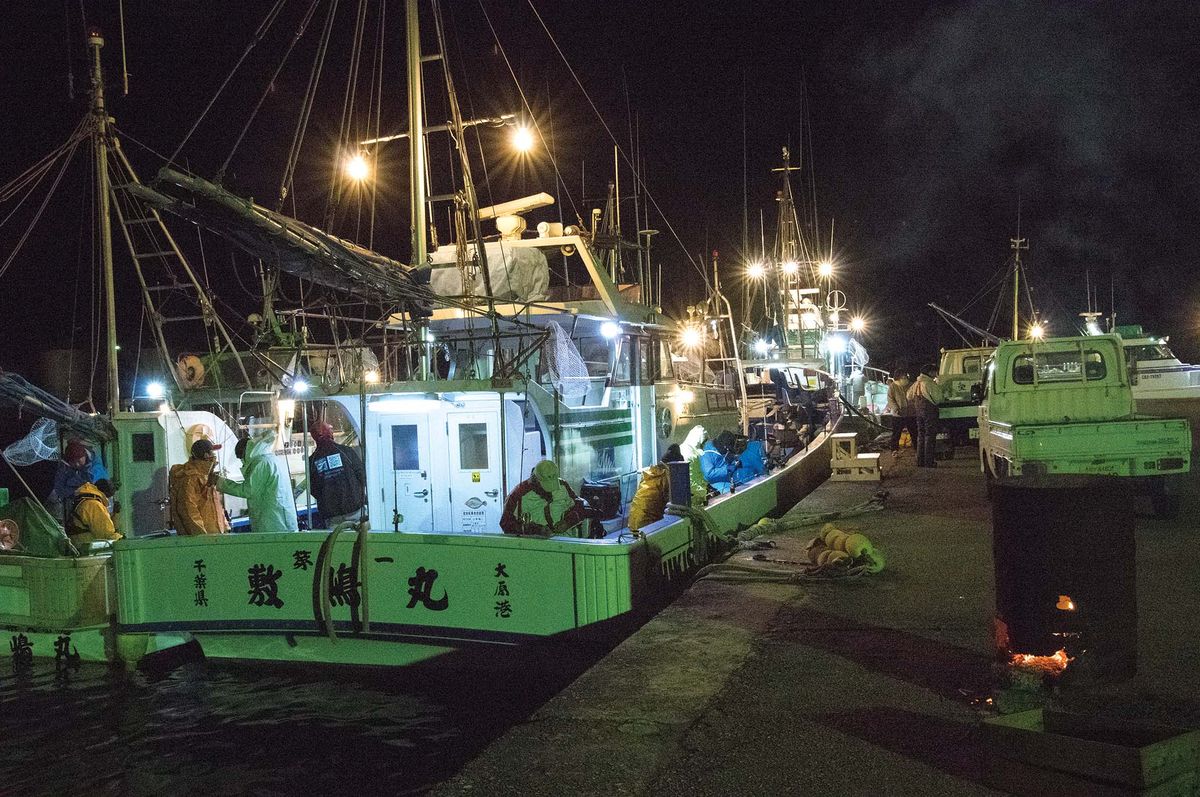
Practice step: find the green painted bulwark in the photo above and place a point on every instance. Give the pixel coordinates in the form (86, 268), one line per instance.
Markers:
(603, 587)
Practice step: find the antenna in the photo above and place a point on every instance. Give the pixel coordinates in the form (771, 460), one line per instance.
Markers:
(1017, 245)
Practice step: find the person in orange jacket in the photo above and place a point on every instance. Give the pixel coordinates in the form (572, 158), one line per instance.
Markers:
(87, 514)
(196, 506)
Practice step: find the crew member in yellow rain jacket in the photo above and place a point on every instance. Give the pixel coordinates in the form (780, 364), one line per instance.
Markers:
(543, 505)
(653, 491)
(87, 514)
(196, 506)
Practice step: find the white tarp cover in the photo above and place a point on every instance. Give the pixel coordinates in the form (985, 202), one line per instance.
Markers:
(517, 273)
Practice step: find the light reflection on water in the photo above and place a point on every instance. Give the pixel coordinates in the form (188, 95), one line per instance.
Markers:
(213, 729)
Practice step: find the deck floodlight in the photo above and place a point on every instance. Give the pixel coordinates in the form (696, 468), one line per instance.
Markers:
(1037, 331)
(358, 167)
(857, 324)
(300, 387)
(371, 377)
(790, 267)
(836, 344)
(825, 269)
(756, 271)
(155, 390)
(610, 329)
(692, 336)
(522, 139)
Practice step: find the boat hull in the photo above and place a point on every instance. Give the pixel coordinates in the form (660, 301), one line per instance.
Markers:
(396, 599)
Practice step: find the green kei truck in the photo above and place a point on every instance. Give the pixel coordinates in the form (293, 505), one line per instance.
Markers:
(1064, 406)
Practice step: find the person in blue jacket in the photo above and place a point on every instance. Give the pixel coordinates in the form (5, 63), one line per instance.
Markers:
(718, 462)
(79, 466)
(752, 462)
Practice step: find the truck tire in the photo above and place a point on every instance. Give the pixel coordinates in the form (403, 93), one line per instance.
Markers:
(1164, 505)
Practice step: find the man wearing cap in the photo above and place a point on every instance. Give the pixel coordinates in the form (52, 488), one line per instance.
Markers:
(543, 505)
(336, 478)
(196, 506)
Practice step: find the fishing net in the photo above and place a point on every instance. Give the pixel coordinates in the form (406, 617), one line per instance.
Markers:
(567, 370)
(40, 445)
(858, 354)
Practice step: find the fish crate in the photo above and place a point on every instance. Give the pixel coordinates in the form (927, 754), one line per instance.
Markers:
(1053, 752)
(56, 592)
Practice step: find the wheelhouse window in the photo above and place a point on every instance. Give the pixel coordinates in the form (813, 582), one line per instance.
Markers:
(1059, 366)
(473, 446)
(971, 365)
(406, 452)
(1147, 353)
(621, 375)
(142, 444)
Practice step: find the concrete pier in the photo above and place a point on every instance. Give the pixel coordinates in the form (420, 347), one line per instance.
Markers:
(867, 686)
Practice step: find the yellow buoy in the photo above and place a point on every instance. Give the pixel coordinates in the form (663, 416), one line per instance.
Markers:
(857, 545)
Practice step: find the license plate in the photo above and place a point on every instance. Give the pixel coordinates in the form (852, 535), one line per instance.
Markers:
(973, 433)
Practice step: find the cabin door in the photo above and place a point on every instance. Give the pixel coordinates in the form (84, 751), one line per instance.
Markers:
(475, 490)
(402, 459)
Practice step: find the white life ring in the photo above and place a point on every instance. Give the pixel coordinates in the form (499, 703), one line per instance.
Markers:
(191, 370)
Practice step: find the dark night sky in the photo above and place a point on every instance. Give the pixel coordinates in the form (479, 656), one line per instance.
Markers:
(929, 123)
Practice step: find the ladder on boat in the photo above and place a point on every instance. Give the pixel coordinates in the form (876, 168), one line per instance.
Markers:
(171, 292)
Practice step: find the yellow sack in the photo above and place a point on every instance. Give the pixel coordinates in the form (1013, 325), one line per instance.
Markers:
(905, 439)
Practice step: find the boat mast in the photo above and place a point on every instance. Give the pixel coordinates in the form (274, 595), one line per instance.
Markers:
(416, 165)
(100, 145)
(1017, 244)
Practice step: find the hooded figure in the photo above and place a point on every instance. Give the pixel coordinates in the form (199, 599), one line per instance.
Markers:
(718, 462)
(653, 492)
(266, 486)
(196, 506)
(336, 478)
(78, 467)
(87, 515)
(543, 505)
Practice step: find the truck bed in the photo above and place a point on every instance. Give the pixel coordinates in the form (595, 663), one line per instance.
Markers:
(1129, 447)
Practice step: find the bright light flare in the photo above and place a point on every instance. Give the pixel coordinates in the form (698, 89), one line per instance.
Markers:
(835, 316)
(691, 336)
(857, 324)
(825, 269)
(155, 390)
(300, 387)
(1037, 332)
(761, 347)
(756, 271)
(836, 344)
(358, 168)
(522, 139)
(371, 377)
(683, 396)
(610, 329)
(790, 267)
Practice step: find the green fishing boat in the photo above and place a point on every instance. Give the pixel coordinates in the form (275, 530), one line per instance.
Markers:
(481, 363)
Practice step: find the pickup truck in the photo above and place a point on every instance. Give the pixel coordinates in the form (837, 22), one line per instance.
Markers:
(960, 372)
(1064, 406)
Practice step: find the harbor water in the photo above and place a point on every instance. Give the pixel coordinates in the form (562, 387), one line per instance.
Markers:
(206, 728)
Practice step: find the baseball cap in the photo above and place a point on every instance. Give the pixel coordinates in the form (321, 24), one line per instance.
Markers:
(203, 447)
